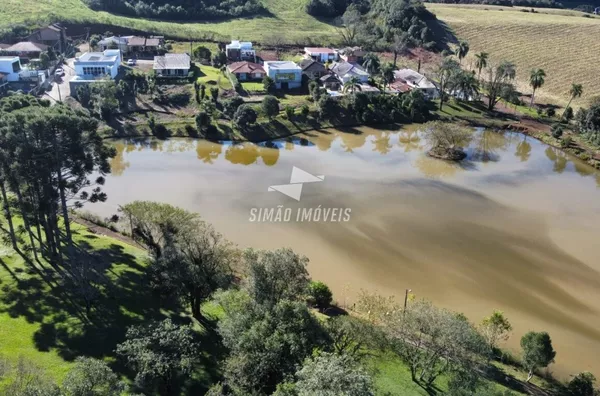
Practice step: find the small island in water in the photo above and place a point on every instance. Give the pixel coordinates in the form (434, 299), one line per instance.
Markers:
(447, 140)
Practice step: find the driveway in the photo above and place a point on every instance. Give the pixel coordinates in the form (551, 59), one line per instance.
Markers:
(60, 85)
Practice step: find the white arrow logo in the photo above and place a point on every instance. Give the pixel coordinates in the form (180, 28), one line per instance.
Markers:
(294, 188)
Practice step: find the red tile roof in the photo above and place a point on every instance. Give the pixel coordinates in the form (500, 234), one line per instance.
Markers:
(319, 50)
(400, 86)
(245, 67)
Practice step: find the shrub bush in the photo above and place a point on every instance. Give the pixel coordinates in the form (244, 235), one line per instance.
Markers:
(566, 141)
(319, 294)
(550, 112)
(557, 131)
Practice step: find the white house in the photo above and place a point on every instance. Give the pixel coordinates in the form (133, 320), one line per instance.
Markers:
(172, 65)
(286, 74)
(114, 42)
(10, 67)
(92, 65)
(321, 54)
(415, 80)
(344, 71)
(240, 51)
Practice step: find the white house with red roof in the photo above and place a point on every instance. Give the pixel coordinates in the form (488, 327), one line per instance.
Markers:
(321, 54)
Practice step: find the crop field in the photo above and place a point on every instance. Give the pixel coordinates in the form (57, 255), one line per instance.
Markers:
(563, 43)
(288, 20)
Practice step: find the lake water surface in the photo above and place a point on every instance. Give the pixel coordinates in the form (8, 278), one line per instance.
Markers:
(515, 227)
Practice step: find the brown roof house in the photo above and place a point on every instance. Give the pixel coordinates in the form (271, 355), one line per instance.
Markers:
(27, 49)
(52, 35)
(313, 69)
(245, 71)
(352, 54)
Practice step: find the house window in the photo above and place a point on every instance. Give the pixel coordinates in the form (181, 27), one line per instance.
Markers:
(94, 71)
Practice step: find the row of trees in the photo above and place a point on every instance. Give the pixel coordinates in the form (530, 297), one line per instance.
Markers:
(180, 9)
(47, 155)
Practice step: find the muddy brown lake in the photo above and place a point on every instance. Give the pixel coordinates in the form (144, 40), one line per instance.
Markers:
(515, 227)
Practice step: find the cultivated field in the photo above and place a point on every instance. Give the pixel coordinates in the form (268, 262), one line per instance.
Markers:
(288, 20)
(563, 43)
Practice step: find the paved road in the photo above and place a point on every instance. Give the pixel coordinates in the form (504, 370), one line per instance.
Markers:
(61, 84)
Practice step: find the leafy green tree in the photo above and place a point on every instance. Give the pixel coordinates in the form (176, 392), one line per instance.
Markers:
(536, 80)
(219, 59)
(244, 116)
(371, 63)
(352, 85)
(415, 104)
(159, 353)
(498, 79)
(304, 110)
(194, 265)
(557, 131)
(27, 379)
(47, 157)
(270, 106)
(44, 60)
(214, 94)
(202, 120)
(269, 84)
(481, 62)
(462, 50)
(432, 341)
(230, 106)
(275, 275)
(445, 73)
(464, 84)
(91, 377)
(265, 344)
(331, 374)
(494, 328)
(537, 351)
(387, 74)
(568, 114)
(202, 53)
(575, 92)
(582, 385)
(153, 223)
(351, 336)
(290, 111)
(326, 106)
(319, 294)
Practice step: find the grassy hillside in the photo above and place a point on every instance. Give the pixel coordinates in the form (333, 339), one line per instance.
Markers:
(562, 42)
(288, 20)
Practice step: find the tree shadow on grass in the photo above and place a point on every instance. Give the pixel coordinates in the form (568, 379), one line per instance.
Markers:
(497, 375)
(123, 298)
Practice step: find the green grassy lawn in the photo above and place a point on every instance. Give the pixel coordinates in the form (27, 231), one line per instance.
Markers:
(253, 86)
(212, 77)
(44, 322)
(288, 19)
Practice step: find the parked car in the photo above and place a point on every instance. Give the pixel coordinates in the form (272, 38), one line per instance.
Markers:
(131, 62)
(59, 72)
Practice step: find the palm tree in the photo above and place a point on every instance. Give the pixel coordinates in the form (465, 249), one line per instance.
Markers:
(464, 83)
(371, 63)
(576, 91)
(352, 84)
(536, 80)
(413, 101)
(387, 74)
(462, 50)
(481, 62)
